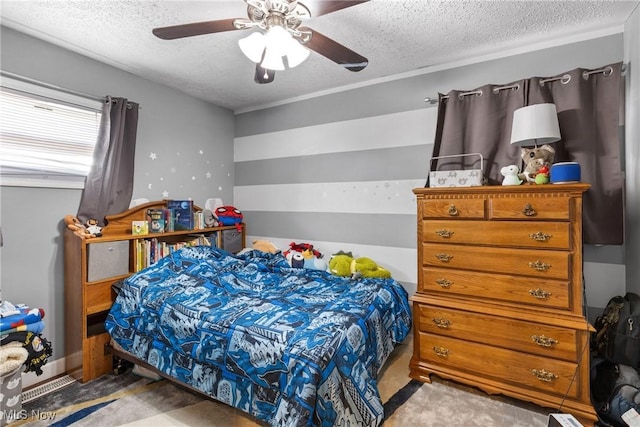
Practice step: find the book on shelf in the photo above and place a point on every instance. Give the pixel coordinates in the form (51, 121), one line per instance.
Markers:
(148, 251)
(182, 213)
(139, 227)
(156, 220)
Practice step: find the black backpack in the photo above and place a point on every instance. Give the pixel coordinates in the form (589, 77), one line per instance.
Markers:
(617, 336)
(614, 391)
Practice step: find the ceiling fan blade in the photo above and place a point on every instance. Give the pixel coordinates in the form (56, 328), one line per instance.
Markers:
(264, 75)
(195, 29)
(334, 51)
(322, 7)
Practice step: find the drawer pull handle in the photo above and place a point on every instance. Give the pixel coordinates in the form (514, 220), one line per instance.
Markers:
(539, 266)
(444, 233)
(540, 236)
(543, 341)
(539, 293)
(441, 351)
(444, 257)
(544, 375)
(444, 283)
(441, 323)
(528, 210)
(453, 211)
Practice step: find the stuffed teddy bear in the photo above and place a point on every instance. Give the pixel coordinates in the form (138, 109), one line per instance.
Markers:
(265, 246)
(93, 227)
(534, 159)
(368, 268)
(510, 174)
(77, 227)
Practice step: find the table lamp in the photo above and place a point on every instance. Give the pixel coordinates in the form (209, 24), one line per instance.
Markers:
(535, 125)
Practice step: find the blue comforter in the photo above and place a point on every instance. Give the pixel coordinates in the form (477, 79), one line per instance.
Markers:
(290, 346)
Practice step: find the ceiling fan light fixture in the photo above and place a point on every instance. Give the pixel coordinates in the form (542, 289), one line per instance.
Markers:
(296, 53)
(277, 40)
(253, 46)
(272, 60)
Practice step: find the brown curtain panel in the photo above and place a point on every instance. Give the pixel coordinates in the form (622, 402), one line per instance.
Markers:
(588, 103)
(478, 121)
(109, 184)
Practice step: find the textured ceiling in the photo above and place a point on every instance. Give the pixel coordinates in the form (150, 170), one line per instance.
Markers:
(397, 37)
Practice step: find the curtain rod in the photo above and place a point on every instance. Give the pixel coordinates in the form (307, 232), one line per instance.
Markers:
(564, 79)
(54, 87)
(51, 86)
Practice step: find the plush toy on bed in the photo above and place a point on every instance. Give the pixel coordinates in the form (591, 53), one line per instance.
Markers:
(340, 264)
(344, 265)
(366, 267)
(303, 255)
(534, 159)
(265, 246)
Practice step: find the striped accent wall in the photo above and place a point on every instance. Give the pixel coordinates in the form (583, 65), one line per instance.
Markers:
(340, 186)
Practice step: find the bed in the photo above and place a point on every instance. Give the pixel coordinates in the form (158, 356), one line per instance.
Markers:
(289, 346)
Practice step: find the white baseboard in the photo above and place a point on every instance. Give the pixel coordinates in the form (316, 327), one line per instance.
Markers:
(49, 370)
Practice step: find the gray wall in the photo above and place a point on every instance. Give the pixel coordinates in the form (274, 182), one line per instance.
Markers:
(371, 221)
(190, 138)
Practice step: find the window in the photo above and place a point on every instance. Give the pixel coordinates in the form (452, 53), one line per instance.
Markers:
(47, 136)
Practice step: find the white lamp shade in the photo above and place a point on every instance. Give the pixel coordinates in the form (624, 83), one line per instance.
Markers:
(278, 39)
(296, 54)
(253, 46)
(272, 60)
(535, 125)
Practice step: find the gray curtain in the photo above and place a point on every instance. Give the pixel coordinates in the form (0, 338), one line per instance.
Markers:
(588, 102)
(109, 184)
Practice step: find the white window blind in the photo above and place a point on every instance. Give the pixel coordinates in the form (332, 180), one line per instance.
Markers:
(46, 140)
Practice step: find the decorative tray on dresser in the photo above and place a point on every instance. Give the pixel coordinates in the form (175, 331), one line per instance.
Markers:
(499, 302)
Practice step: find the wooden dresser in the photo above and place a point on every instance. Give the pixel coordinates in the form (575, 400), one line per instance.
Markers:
(499, 302)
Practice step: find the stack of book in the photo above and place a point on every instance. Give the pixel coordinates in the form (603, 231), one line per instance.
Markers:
(177, 216)
(149, 251)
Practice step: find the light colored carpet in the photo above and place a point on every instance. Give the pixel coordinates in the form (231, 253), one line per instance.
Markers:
(142, 403)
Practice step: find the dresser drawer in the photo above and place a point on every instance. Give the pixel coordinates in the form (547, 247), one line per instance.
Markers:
(453, 208)
(529, 208)
(530, 262)
(512, 334)
(496, 287)
(535, 234)
(548, 375)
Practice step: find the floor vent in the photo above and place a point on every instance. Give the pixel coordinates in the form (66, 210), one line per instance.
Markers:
(46, 388)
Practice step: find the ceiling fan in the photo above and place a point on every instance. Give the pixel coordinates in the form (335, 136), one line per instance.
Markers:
(282, 35)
